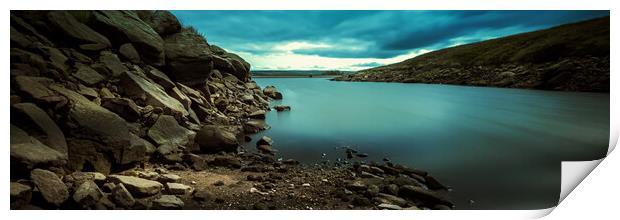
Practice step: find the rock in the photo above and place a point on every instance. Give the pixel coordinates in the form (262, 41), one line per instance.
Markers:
(305, 185)
(122, 197)
(226, 161)
(441, 207)
(166, 130)
(20, 195)
(213, 138)
(137, 87)
(111, 63)
(28, 113)
(168, 202)
(357, 186)
(96, 123)
(391, 199)
(254, 126)
(129, 52)
(281, 108)
(178, 189)
(389, 206)
(87, 75)
(391, 189)
(415, 192)
(82, 34)
(372, 191)
(123, 107)
(361, 201)
(361, 155)
(50, 186)
(195, 162)
(203, 195)
(177, 94)
(126, 27)
(433, 184)
(168, 178)
(137, 185)
(105, 93)
(78, 178)
(253, 177)
(265, 149)
(260, 114)
(87, 92)
(160, 78)
(264, 141)
(188, 58)
(87, 194)
(163, 22)
(35, 88)
(29, 152)
(272, 92)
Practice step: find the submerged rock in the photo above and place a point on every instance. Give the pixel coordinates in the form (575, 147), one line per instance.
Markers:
(272, 92)
(281, 108)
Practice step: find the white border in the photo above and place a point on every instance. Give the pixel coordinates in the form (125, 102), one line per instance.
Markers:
(598, 194)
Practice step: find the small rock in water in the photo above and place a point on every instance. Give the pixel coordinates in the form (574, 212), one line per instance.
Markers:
(361, 155)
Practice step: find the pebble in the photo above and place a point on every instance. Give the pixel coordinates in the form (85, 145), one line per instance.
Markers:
(389, 206)
(306, 185)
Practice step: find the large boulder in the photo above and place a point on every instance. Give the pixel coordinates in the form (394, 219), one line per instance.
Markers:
(122, 196)
(129, 52)
(163, 22)
(126, 27)
(138, 87)
(87, 194)
(213, 138)
(138, 186)
(93, 122)
(78, 32)
(168, 202)
(36, 88)
(87, 75)
(30, 152)
(167, 130)
(88, 155)
(272, 92)
(31, 115)
(50, 186)
(188, 58)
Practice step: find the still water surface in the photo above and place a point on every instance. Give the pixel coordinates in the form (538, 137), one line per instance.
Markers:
(500, 148)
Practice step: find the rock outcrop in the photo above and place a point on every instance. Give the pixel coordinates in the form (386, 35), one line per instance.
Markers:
(104, 91)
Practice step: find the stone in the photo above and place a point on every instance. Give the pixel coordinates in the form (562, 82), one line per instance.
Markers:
(96, 123)
(391, 189)
(260, 114)
(203, 195)
(265, 149)
(138, 186)
(264, 141)
(20, 195)
(177, 94)
(393, 199)
(281, 108)
(356, 186)
(88, 76)
(178, 189)
(195, 162)
(81, 33)
(167, 130)
(82, 177)
(254, 126)
(88, 155)
(137, 150)
(112, 63)
(188, 58)
(389, 206)
(137, 87)
(415, 192)
(168, 202)
(53, 190)
(30, 114)
(106, 93)
(226, 161)
(30, 152)
(272, 92)
(169, 177)
(213, 138)
(88, 92)
(163, 22)
(433, 184)
(160, 78)
(127, 27)
(122, 196)
(129, 52)
(123, 107)
(35, 87)
(87, 194)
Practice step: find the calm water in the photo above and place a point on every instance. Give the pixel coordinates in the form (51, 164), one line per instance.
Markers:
(500, 148)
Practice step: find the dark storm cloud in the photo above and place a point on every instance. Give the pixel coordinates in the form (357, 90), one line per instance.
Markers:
(367, 34)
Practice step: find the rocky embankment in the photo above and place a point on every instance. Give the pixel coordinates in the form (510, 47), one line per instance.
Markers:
(131, 110)
(573, 57)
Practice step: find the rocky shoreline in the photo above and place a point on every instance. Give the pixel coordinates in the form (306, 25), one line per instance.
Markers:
(572, 57)
(131, 110)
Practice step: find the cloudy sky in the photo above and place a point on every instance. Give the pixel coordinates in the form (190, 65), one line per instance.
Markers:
(354, 40)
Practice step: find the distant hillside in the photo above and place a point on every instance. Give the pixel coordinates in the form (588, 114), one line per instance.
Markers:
(284, 73)
(571, 57)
